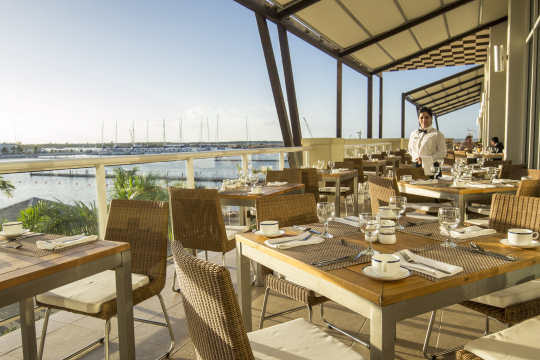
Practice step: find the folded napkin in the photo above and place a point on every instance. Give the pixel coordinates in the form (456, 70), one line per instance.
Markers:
(293, 241)
(424, 182)
(65, 241)
(276, 183)
(349, 220)
(446, 177)
(220, 190)
(480, 186)
(426, 270)
(468, 232)
(504, 181)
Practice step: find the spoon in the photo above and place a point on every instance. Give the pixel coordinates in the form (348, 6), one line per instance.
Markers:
(343, 242)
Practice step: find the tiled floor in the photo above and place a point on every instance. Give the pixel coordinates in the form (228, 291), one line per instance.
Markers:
(69, 332)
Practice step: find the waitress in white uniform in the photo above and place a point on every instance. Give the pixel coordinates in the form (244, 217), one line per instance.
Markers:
(426, 141)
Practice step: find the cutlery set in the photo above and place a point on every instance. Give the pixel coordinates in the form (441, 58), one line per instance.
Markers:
(16, 246)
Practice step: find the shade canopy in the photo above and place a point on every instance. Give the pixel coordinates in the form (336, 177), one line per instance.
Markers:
(450, 94)
(393, 35)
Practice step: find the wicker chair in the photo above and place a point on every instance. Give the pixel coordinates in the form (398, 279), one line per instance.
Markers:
(508, 211)
(310, 179)
(346, 187)
(497, 163)
(288, 211)
(216, 327)
(517, 174)
(292, 176)
(416, 173)
(505, 170)
(142, 224)
(197, 222)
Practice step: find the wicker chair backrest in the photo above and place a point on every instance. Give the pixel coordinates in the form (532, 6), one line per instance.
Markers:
(311, 180)
(359, 167)
(292, 176)
(516, 174)
(529, 188)
(417, 173)
(288, 210)
(213, 316)
(511, 211)
(497, 163)
(505, 170)
(381, 189)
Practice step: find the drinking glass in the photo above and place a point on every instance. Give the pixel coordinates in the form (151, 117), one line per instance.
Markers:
(449, 218)
(369, 154)
(331, 164)
(398, 204)
(434, 170)
(481, 162)
(369, 224)
(321, 164)
(398, 149)
(326, 212)
(253, 179)
(492, 172)
(441, 162)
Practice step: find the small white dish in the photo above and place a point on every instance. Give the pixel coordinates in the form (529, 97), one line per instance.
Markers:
(279, 233)
(255, 193)
(402, 274)
(533, 244)
(14, 235)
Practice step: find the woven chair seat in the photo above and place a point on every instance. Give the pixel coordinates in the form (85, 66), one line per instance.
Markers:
(512, 314)
(294, 291)
(232, 230)
(513, 295)
(429, 207)
(517, 342)
(298, 339)
(89, 294)
(332, 190)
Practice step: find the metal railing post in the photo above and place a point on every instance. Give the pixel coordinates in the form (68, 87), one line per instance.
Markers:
(281, 160)
(306, 158)
(245, 163)
(190, 173)
(101, 187)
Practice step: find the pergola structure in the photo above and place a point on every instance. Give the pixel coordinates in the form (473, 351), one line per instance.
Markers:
(446, 95)
(372, 37)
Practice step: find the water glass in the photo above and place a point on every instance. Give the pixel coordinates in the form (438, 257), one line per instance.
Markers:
(398, 205)
(326, 212)
(369, 224)
(434, 170)
(321, 164)
(492, 172)
(449, 218)
(369, 155)
(481, 162)
(253, 179)
(331, 164)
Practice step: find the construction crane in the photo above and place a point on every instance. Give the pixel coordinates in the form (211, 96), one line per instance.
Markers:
(310, 133)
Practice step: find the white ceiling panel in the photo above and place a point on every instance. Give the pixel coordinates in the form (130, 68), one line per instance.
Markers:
(464, 18)
(400, 45)
(494, 9)
(377, 16)
(372, 56)
(417, 8)
(431, 32)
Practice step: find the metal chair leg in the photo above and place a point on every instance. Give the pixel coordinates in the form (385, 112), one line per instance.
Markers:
(166, 315)
(334, 327)
(206, 255)
(263, 310)
(173, 281)
(222, 259)
(428, 335)
(43, 333)
(310, 311)
(487, 326)
(107, 333)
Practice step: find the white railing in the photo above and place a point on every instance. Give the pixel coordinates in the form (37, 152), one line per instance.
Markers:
(99, 163)
(356, 148)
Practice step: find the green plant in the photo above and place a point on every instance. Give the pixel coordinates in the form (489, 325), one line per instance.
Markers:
(254, 170)
(130, 185)
(6, 187)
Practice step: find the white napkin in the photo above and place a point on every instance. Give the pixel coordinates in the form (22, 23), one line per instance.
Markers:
(274, 243)
(480, 186)
(349, 220)
(504, 181)
(468, 232)
(220, 190)
(424, 182)
(276, 183)
(446, 177)
(426, 270)
(65, 241)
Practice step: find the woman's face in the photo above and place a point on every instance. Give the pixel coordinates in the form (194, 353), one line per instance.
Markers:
(424, 119)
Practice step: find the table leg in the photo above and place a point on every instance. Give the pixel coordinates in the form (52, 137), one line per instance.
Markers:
(124, 300)
(382, 334)
(28, 329)
(337, 201)
(258, 271)
(243, 286)
(462, 207)
(355, 204)
(242, 215)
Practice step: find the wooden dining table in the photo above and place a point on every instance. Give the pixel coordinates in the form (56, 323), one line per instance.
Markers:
(384, 303)
(379, 166)
(337, 179)
(22, 277)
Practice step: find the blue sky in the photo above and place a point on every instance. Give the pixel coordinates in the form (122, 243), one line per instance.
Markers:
(67, 66)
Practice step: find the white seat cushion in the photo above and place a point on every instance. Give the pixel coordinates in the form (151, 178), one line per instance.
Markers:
(513, 295)
(421, 216)
(89, 294)
(332, 189)
(298, 339)
(235, 229)
(429, 207)
(480, 209)
(478, 222)
(519, 342)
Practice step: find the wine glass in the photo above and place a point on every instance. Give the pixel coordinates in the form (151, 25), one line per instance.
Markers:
(321, 164)
(253, 179)
(449, 218)
(331, 164)
(434, 170)
(398, 204)
(441, 162)
(481, 162)
(398, 149)
(369, 224)
(369, 155)
(326, 212)
(492, 172)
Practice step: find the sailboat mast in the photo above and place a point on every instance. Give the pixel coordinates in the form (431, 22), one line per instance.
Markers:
(217, 133)
(116, 135)
(133, 134)
(147, 133)
(163, 133)
(181, 133)
(102, 140)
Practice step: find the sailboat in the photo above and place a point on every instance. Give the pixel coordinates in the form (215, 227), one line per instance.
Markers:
(103, 151)
(134, 147)
(217, 135)
(203, 148)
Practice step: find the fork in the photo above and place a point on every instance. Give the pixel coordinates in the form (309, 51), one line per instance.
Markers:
(420, 233)
(411, 261)
(331, 261)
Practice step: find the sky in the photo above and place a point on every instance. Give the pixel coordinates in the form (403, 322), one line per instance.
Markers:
(67, 67)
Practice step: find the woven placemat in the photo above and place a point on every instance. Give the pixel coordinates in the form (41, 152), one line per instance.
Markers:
(335, 228)
(435, 231)
(470, 262)
(29, 247)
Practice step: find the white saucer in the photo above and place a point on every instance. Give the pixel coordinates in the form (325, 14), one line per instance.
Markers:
(279, 233)
(14, 235)
(533, 244)
(254, 193)
(457, 187)
(407, 180)
(402, 274)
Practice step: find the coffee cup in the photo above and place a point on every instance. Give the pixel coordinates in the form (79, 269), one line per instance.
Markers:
(269, 227)
(521, 236)
(335, 171)
(12, 228)
(460, 183)
(385, 264)
(387, 232)
(386, 213)
(256, 189)
(406, 177)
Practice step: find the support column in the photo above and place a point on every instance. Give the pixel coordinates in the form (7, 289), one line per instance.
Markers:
(403, 116)
(274, 80)
(339, 101)
(380, 107)
(370, 107)
(437, 122)
(497, 93)
(289, 86)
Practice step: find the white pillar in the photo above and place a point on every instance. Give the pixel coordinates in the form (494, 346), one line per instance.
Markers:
(190, 174)
(497, 89)
(101, 187)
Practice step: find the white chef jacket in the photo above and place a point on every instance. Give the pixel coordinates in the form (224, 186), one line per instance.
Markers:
(431, 143)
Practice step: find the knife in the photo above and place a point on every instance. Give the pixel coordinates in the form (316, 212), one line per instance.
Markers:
(478, 252)
(481, 250)
(27, 236)
(286, 241)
